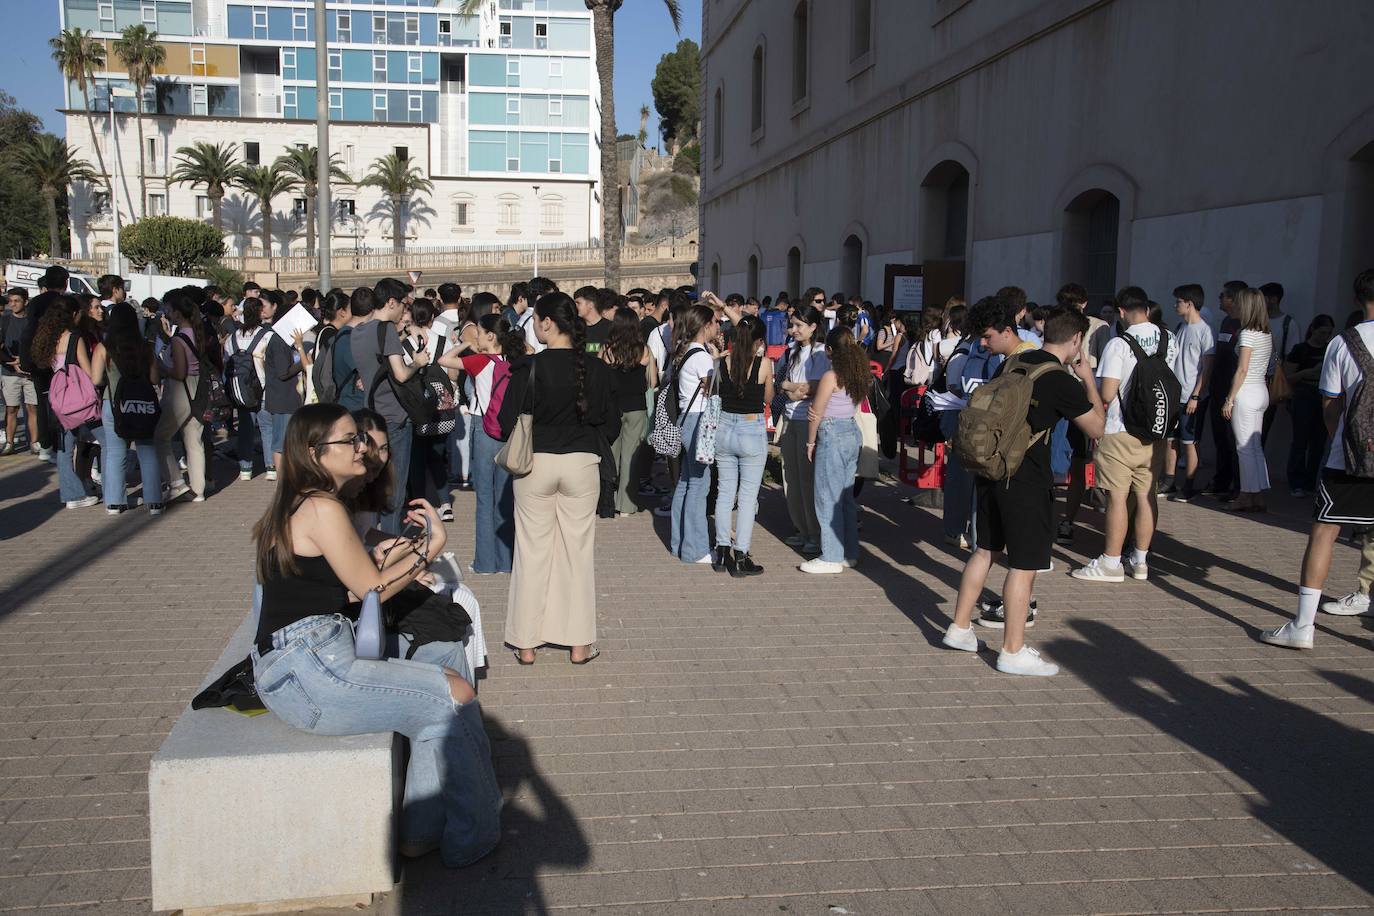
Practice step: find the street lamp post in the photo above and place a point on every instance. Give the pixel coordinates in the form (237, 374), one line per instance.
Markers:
(536, 230)
(324, 209)
(118, 178)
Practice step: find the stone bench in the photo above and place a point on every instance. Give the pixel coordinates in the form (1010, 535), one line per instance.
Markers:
(249, 815)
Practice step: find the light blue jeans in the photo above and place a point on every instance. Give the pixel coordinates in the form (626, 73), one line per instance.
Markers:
(114, 468)
(460, 452)
(495, 522)
(689, 540)
(837, 462)
(312, 681)
(70, 486)
(267, 433)
(741, 451)
(958, 483)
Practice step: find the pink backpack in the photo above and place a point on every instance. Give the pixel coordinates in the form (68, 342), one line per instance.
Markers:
(500, 381)
(72, 394)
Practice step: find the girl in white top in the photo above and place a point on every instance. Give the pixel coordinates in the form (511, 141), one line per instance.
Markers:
(1249, 397)
(807, 363)
(689, 539)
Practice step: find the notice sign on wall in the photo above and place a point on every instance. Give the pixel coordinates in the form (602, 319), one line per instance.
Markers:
(904, 287)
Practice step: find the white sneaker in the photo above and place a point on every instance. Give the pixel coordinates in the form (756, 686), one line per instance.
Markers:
(181, 462)
(198, 498)
(83, 503)
(1027, 661)
(178, 491)
(1097, 571)
(961, 638)
(245, 475)
(1352, 605)
(1290, 636)
(706, 560)
(95, 475)
(820, 567)
(46, 454)
(271, 474)
(1139, 571)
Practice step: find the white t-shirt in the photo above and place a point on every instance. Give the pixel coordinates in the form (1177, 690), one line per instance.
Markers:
(1118, 362)
(526, 324)
(1261, 349)
(1341, 375)
(808, 364)
(1194, 342)
(697, 366)
(243, 339)
(658, 349)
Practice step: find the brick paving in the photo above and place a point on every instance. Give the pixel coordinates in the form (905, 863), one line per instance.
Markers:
(786, 744)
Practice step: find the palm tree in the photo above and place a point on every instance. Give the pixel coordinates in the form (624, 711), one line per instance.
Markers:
(212, 164)
(397, 179)
(643, 124)
(139, 52)
(303, 162)
(603, 31)
(79, 54)
(265, 182)
(51, 164)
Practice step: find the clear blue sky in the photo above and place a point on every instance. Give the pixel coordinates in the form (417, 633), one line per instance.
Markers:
(643, 34)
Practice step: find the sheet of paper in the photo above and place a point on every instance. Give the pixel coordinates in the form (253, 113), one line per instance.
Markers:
(297, 319)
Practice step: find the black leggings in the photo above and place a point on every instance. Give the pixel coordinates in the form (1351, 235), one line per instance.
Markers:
(429, 469)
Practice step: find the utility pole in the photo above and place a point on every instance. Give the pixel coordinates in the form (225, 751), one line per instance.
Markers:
(536, 230)
(118, 177)
(324, 206)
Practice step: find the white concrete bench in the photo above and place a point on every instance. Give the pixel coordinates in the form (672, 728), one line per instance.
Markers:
(249, 815)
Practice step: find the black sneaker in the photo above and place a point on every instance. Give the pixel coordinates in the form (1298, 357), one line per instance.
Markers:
(993, 615)
(1166, 487)
(1182, 496)
(1065, 533)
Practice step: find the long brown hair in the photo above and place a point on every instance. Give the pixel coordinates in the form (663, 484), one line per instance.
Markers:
(686, 327)
(625, 347)
(373, 495)
(743, 342)
(59, 318)
(301, 476)
(850, 363)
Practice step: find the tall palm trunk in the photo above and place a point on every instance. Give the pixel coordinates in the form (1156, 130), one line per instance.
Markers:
(142, 156)
(398, 225)
(266, 206)
(310, 193)
(603, 29)
(50, 198)
(217, 209)
(95, 145)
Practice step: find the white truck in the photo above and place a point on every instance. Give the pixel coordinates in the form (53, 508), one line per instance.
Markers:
(139, 286)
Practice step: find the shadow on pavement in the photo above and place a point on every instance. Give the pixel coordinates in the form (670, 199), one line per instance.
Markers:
(540, 833)
(1310, 769)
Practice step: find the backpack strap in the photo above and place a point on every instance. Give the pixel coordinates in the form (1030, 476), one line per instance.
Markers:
(1355, 344)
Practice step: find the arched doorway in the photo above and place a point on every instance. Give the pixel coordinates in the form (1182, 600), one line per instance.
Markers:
(852, 267)
(944, 215)
(794, 271)
(1357, 235)
(715, 275)
(1092, 228)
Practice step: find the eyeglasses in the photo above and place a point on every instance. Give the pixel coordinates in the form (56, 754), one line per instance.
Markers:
(818, 302)
(359, 442)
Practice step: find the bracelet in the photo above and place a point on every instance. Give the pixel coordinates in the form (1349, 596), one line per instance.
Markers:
(811, 445)
(1192, 397)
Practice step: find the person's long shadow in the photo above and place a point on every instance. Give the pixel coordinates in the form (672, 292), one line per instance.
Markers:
(1308, 768)
(539, 832)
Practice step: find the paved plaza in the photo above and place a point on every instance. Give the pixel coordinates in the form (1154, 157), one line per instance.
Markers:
(785, 744)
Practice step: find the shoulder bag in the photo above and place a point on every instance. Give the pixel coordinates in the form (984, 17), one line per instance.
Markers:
(517, 455)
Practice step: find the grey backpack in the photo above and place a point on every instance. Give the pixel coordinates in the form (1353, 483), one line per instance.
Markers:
(1358, 436)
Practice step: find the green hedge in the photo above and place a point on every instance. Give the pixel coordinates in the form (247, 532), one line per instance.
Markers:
(171, 244)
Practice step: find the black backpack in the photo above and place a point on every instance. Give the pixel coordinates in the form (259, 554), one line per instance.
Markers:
(436, 380)
(417, 399)
(322, 372)
(136, 408)
(1150, 403)
(241, 376)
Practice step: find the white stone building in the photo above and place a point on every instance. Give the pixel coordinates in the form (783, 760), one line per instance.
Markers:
(488, 108)
(1033, 142)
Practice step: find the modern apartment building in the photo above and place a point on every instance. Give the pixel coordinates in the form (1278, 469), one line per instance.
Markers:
(1034, 142)
(500, 111)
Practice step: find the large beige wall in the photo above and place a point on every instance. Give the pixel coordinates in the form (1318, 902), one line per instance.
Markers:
(1225, 127)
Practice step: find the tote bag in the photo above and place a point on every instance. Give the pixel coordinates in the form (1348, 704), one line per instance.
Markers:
(710, 420)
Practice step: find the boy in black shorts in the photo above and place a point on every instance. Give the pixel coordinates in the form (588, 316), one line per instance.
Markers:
(1344, 496)
(1016, 516)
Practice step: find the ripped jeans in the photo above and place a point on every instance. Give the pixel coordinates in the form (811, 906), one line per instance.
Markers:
(312, 681)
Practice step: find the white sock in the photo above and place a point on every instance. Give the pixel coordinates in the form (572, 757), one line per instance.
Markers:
(1138, 556)
(1110, 562)
(1308, 600)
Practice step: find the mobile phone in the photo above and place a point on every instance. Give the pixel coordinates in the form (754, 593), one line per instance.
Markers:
(414, 530)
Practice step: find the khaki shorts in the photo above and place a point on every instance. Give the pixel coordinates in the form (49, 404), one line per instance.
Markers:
(17, 388)
(1123, 462)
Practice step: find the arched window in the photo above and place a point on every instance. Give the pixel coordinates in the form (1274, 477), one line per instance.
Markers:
(756, 94)
(751, 281)
(1090, 243)
(718, 128)
(852, 266)
(715, 275)
(508, 213)
(551, 214)
(794, 271)
(944, 212)
(801, 45)
(860, 29)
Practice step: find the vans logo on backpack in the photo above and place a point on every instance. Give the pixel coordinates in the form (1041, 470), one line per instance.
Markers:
(147, 408)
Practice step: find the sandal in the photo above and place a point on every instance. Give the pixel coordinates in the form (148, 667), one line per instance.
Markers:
(516, 653)
(595, 652)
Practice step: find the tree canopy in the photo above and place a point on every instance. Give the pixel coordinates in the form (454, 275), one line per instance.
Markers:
(677, 92)
(23, 223)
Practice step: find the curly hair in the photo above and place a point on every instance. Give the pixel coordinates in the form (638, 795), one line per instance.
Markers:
(850, 363)
(59, 318)
(626, 346)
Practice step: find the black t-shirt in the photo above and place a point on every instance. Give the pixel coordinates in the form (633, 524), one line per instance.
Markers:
(597, 335)
(1306, 356)
(1057, 395)
(648, 325)
(1224, 355)
(553, 402)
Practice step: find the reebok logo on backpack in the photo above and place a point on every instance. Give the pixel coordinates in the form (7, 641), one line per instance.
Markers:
(1150, 402)
(994, 430)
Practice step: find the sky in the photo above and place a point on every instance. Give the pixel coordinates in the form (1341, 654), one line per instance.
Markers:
(644, 33)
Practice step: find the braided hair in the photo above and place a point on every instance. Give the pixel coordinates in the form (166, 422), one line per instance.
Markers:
(560, 309)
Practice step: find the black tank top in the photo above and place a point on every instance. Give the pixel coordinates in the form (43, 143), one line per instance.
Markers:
(630, 385)
(313, 590)
(751, 401)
